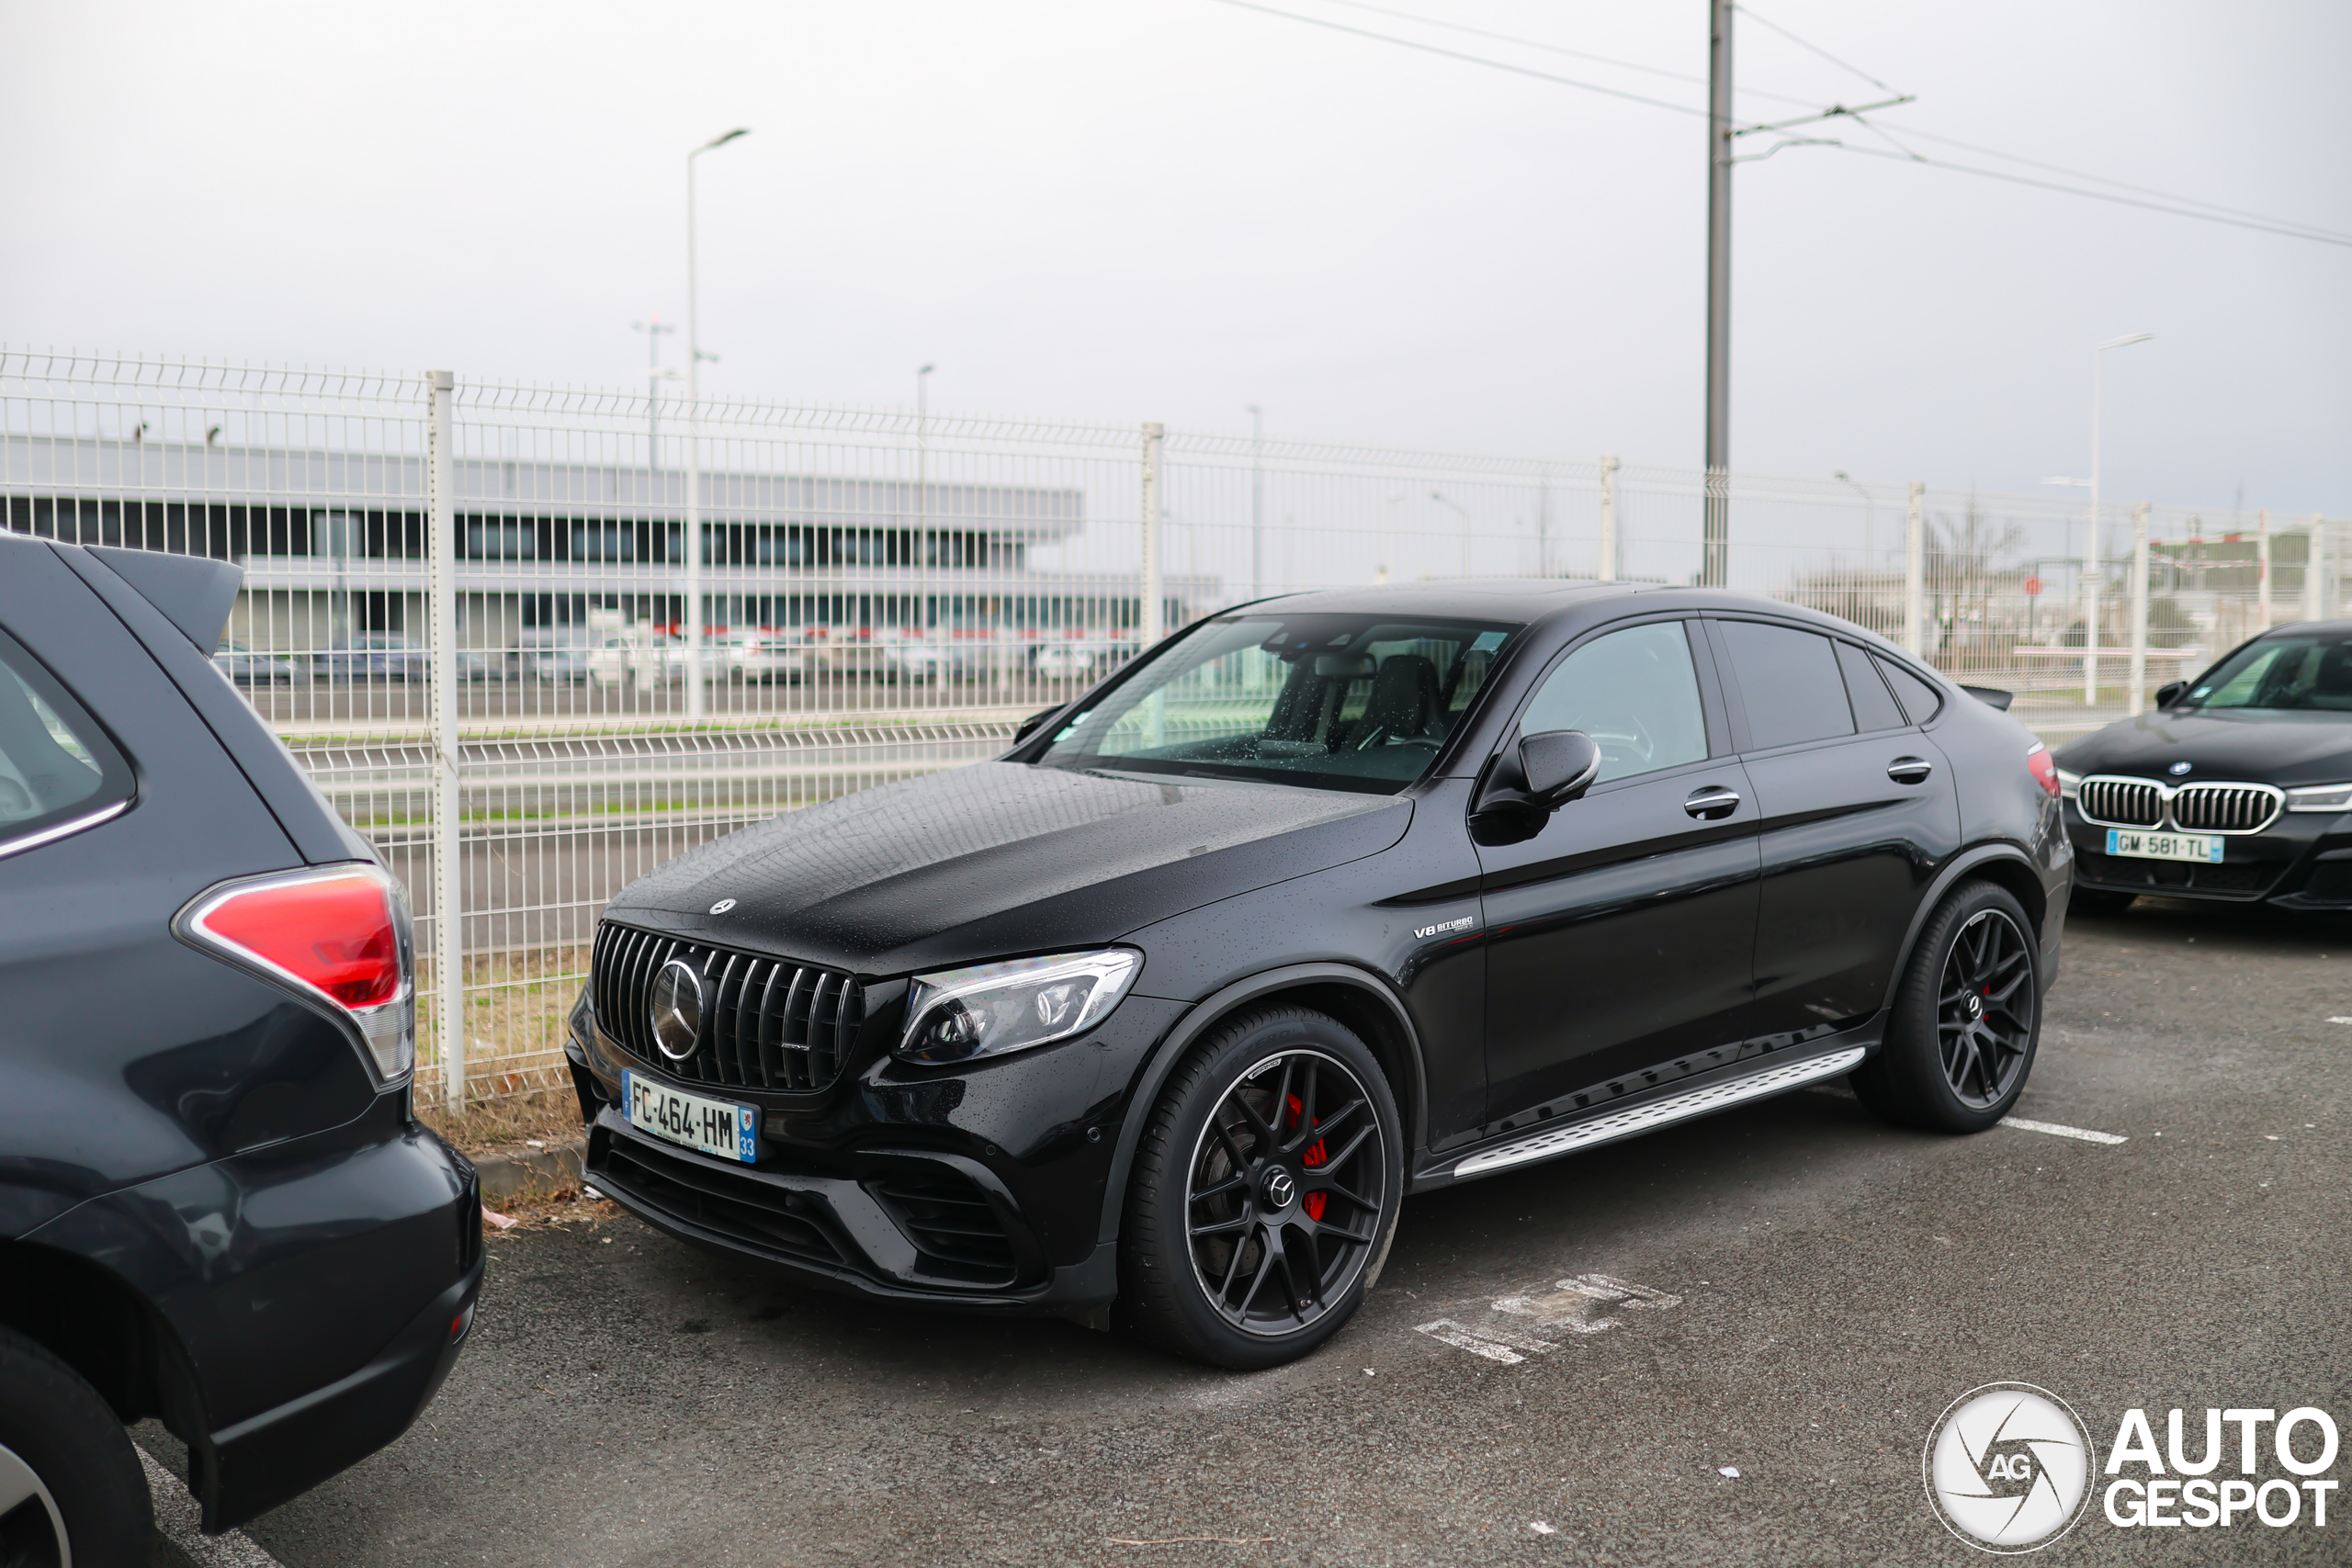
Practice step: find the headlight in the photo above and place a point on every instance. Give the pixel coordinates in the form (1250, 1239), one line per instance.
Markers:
(990, 1009)
(2068, 783)
(2320, 797)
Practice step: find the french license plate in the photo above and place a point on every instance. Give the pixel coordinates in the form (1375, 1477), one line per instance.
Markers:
(714, 1126)
(2203, 848)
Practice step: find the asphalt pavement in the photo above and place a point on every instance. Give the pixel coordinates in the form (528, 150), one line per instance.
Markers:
(1722, 1343)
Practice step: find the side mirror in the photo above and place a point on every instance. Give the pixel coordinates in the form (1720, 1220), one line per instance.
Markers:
(1559, 765)
(2170, 692)
(1028, 727)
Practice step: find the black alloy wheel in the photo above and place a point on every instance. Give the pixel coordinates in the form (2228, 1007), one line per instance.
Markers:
(1265, 1192)
(1966, 1018)
(1985, 1013)
(1284, 1193)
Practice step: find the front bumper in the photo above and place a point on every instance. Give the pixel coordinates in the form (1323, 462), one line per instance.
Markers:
(2300, 862)
(979, 1187)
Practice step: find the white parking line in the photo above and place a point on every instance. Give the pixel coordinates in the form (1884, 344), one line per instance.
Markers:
(2056, 1130)
(177, 1516)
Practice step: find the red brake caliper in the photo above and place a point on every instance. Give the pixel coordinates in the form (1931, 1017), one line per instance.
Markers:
(1314, 1201)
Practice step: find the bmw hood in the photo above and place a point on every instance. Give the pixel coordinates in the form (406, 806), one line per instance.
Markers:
(999, 860)
(2254, 746)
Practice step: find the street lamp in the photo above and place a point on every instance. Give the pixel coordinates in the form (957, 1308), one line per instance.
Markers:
(695, 357)
(923, 491)
(2091, 547)
(1438, 496)
(1256, 501)
(654, 376)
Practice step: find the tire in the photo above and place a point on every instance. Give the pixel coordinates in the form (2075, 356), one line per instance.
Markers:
(67, 1463)
(2093, 902)
(1294, 1254)
(1961, 1035)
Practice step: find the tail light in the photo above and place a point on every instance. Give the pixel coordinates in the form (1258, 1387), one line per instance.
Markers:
(2044, 770)
(340, 933)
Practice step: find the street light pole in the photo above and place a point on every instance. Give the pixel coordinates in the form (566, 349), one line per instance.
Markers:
(1714, 565)
(1257, 502)
(2091, 547)
(695, 699)
(923, 615)
(1869, 517)
(652, 329)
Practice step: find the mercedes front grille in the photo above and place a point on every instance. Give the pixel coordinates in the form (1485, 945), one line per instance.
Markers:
(767, 1022)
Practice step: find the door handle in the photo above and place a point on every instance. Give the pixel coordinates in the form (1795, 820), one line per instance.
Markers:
(1909, 769)
(1714, 803)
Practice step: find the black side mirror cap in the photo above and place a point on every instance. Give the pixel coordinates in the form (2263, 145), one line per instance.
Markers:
(1028, 727)
(1559, 765)
(2170, 692)
(1991, 696)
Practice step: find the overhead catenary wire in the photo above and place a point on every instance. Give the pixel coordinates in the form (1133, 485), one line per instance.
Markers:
(2163, 202)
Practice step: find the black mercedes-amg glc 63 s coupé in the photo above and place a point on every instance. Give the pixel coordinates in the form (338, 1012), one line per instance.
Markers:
(1326, 900)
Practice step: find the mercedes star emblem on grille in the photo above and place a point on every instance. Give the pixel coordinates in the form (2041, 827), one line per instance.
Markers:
(677, 1009)
(722, 906)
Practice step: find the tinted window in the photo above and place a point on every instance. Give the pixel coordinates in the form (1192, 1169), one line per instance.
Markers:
(1635, 692)
(1873, 708)
(1919, 700)
(2295, 672)
(1788, 683)
(1331, 701)
(55, 765)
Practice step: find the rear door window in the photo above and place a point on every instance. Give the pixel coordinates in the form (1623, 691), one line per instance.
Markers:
(1788, 683)
(58, 769)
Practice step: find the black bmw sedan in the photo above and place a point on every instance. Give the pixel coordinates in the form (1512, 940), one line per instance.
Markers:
(1326, 900)
(2236, 789)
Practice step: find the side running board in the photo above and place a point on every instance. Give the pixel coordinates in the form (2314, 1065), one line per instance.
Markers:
(1659, 1112)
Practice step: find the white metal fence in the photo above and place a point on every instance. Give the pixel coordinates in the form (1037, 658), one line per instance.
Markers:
(466, 607)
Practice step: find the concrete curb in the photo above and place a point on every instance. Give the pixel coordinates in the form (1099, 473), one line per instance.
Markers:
(505, 1174)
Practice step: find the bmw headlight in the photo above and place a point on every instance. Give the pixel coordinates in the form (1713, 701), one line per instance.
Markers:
(2320, 797)
(2067, 783)
(990, 1009)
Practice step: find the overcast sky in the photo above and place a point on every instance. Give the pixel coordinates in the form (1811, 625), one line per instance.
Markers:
(1117, 211)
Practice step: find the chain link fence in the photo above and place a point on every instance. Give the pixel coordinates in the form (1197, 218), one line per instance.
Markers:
(879, 593)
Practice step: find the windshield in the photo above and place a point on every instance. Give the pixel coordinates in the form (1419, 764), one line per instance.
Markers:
(2312, 673)
(1327, 701)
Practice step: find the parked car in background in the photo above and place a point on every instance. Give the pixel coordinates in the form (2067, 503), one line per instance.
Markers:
(246, 668)
(762, 656)
(385, 655)
(217, 1209)
(559, 658)
(641, 658)
(2236, 789)
(1329, 899)
(1064, 658)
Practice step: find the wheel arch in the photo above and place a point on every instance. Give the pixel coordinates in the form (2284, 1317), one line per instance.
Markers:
(2006, 867)
(111, 1336)
(1356, 997)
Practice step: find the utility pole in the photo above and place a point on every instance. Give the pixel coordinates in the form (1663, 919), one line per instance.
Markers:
(1714, 567)
(923, 615)
(652, 329)
(696, 697)
(2091, 583)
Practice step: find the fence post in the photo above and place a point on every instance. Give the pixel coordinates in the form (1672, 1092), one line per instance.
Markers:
(2262, 567)
(448, 869)
(1915, 573)
(2314, 565)
(2139, 609)
(1608, 572)
(1148, 628)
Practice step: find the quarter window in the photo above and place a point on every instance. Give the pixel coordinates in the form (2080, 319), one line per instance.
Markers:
(1873, 708)
(1635, 692)
(56, 765)
(1788, 683)
(1919, 700)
